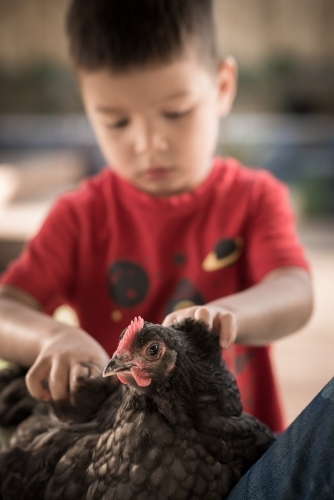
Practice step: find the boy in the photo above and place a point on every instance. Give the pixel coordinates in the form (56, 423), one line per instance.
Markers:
(167, 231)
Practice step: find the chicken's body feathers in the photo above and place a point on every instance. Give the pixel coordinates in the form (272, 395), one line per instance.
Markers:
(181, 436)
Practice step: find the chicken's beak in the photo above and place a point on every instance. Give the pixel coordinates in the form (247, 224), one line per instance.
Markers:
(116, 365)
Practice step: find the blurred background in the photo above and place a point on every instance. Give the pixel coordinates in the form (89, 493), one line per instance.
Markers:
(283, 120)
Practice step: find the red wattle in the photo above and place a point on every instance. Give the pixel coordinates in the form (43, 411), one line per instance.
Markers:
(121, 379)
(141, 380)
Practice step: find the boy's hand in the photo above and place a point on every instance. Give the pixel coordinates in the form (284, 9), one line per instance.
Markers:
(57, 368)
(221, 321)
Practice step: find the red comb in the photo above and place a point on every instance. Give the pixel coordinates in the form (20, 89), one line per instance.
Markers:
(125, 344)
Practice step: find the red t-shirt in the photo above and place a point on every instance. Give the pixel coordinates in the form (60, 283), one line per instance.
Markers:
(113, 252)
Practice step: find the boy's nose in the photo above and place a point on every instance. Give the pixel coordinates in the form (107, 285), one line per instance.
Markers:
(149, 140)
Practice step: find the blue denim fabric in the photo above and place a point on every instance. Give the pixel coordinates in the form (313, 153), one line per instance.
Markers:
(300, 465)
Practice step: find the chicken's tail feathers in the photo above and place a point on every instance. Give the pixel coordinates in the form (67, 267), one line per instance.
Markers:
(11, 465)
(16, 404)
(262, 438)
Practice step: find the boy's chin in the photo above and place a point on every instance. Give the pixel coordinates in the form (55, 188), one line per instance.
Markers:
(163, 182)
(160, 184)
(163, 190)
(165, 187)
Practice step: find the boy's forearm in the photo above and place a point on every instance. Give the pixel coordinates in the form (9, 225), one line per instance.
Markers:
(23, 330)
(281, 304)
(52, 350)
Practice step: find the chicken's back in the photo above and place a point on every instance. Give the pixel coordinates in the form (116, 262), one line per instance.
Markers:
(52, 447)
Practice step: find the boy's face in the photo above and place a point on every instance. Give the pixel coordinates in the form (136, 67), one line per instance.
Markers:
(157, 126)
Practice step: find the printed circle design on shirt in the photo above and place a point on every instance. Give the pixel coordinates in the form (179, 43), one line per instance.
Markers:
(179, 259)
(183, 304)
(116, 315)
(128, 283)
(226, 252)
(184, 295)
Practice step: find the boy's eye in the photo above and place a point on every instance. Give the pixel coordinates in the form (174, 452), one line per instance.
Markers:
(119, 124)
(173, 115)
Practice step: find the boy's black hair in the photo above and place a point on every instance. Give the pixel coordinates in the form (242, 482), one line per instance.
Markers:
(122, 34)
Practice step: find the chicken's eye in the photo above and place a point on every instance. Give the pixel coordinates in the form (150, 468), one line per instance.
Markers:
(152, 350)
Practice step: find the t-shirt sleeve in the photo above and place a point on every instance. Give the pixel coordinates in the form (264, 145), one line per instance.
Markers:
(272, 241)
(46, 267)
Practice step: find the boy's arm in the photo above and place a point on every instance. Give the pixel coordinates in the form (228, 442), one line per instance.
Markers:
(280, 304)
(52, 350)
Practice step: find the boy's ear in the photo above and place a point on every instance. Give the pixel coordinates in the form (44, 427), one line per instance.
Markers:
(227, 85)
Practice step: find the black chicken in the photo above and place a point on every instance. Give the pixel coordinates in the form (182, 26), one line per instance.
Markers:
(174, 429)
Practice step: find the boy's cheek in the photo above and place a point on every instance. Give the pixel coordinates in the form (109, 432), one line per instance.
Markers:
(114, 152)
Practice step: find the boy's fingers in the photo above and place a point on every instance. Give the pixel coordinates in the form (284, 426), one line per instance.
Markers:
(169, 319)
(78, 371)
(203, 314)
(227, 329)
(180, 314)
(35, 380)
(59, 380)
(223, 323)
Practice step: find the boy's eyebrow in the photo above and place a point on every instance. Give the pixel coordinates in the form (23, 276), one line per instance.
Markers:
(182, 93)
(110, 110)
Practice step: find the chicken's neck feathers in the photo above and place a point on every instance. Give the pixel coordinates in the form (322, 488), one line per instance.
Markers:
(193, 395)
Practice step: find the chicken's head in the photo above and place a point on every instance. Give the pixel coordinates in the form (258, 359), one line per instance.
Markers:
(145, 353)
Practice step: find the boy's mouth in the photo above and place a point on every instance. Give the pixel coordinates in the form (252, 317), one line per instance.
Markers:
(156, 173)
